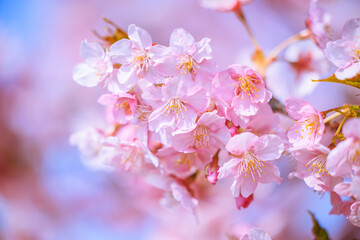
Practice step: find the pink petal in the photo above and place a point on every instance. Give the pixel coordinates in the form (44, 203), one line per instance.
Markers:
(85, 75)
(352, 128)
(337, 162)
(121, 51)
(181, 40)
(203, 50)
(338, 52)
(139, 36)
(351, 30)
(91, 50)
(241, 143)
(268, 147)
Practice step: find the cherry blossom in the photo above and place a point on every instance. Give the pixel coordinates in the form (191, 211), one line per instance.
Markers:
(317, 22)
(345, 52)
(250, 164)
(309, 125)
(187, 58)
(347, 153)
(311, 166)
(121, 107)
(90, 143)
(182, 164)
(125, 155)
(180, 106)
(291, 74)
(97, 67)
(210, 134)
(135, 56)
(241, 88)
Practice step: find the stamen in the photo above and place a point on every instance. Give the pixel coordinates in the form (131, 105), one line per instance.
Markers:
(187, 64)
(201, 137)
(317, 165)
(174, 106)
(247, 85)
(251, 165)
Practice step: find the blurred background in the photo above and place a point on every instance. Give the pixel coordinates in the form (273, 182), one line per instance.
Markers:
(46, 192)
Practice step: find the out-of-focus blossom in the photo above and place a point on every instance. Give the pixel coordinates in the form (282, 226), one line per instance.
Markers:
(309, 125)
(135, 56)
(121, 107)
(124, 155)
(90, 144)
(250, 164)
(291, 75)
(256, 234)
(209, 134)
(317, 22)
(347, 153)
(345, 52)
(224, 5)
(97, 67)
(182, 164)
(311, 166)
(241, 88)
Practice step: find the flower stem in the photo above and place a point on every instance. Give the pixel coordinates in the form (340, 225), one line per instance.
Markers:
(278, 49)
(241, 16)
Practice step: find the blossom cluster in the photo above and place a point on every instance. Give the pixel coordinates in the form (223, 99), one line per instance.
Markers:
(175, 115)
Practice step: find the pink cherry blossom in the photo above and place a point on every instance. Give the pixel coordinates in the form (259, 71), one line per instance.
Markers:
(135, 56)
(250, 164)
(125, 155)
(241, 88)
(180, 106)
(182, 164)
(210, 134)
(311, 166)
(121, 107)
(256, 123)
(309, 125)
(347, 153)
(187, 58)
(317, 22)
(90, 144)
(97, 67)
(224, 5)
(345, 52)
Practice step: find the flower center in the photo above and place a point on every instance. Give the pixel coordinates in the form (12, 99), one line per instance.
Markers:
(125, 106)
(142, 113)
(309, 126)
(184, 160)
(317, 165)
(140, 61)
(247, 85)
(174, 106)
(187, 64)
(251, 165)
(201, 137)
(130, 156)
